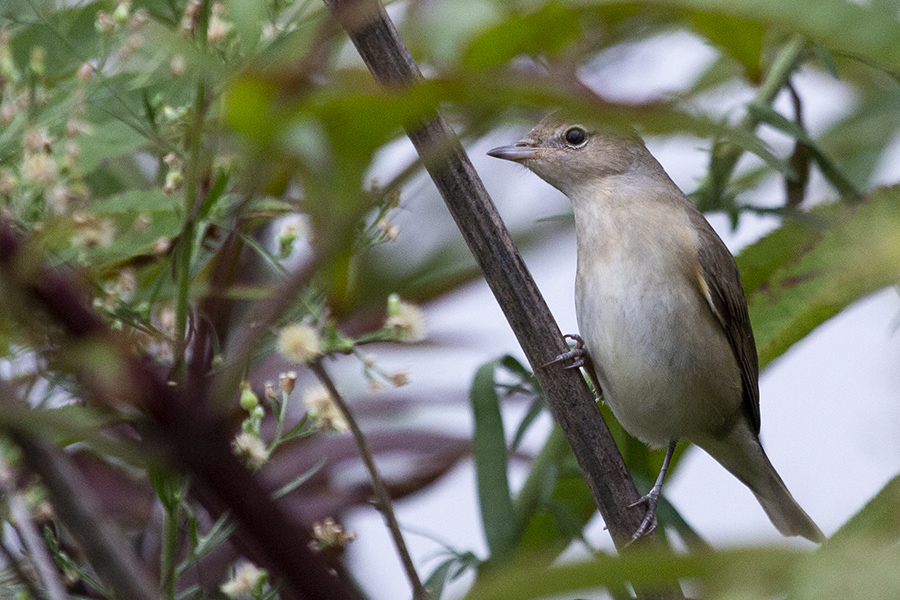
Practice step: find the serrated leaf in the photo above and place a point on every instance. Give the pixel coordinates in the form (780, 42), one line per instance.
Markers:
(109, 140)
(67, 37)
(797, 277)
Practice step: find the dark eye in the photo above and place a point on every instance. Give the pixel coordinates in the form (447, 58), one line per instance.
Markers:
(576, 136)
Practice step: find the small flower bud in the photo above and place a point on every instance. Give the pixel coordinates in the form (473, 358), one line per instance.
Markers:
(249, 400)
(330, 535)
(287, 381)
(138, 20)
(178, 66)
(162, 245)
(321, 406)
(104, 23)
(400, 378)
(85, 72)
(36, 64)
(120, 15)
(174, 179)
(171, 160)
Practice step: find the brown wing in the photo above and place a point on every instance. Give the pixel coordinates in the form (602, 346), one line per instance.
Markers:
(721, 283)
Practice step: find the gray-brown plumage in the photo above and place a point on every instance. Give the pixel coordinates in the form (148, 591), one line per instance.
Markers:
(660, 307)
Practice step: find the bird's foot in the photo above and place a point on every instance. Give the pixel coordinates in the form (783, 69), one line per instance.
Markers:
(648, 525)
(576, 357)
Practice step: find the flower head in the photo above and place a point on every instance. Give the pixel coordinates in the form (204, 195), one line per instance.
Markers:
(39, 168)
(406, 320)
(92, 231)
(251, 450)
(321, 406)
(247, 581)
(330, 535)
(299, 343)
(400, 378)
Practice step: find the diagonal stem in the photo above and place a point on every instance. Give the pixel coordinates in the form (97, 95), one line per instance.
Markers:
(725, 156)
(378, 486)
(31, 538)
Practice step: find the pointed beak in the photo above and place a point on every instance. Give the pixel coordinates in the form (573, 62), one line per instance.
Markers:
(517, 153)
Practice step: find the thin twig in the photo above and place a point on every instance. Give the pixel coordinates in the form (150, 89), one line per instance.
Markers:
(12, 561)
(381, 493)
(168, 552)
(74, 503)
(726, 155)
(31, 537)
(186, 239)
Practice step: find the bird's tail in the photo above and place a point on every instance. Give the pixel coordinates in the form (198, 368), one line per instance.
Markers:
(742, 454)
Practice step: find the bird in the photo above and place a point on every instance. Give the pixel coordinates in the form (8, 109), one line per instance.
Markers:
(660, 308)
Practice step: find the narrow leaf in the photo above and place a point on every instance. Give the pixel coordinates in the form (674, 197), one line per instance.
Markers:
(879, 519)
(489, 447)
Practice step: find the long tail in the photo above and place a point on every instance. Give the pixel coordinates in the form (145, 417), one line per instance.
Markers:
(741, 453)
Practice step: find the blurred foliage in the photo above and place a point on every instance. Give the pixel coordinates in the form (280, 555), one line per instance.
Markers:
(193, 160)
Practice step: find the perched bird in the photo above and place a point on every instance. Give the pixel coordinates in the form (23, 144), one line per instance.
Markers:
(660, 308)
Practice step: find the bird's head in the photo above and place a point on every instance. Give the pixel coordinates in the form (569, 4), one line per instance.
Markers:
(568, 155)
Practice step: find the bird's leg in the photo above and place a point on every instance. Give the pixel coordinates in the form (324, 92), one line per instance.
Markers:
(577, 355)
(580, 358)
(651, 499)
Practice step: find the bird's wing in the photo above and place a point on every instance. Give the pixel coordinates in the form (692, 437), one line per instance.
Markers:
(720, 283)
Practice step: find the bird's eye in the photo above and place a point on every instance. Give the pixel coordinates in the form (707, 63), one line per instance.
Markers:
(576, 136)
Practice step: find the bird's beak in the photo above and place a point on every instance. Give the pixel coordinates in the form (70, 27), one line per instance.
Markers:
(517, 153)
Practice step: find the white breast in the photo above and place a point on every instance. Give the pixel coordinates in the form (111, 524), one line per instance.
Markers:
(664, 362)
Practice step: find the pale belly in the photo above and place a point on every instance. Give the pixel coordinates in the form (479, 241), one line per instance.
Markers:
(665, 365)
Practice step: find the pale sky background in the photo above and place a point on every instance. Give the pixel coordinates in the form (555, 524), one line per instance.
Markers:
(829, 406)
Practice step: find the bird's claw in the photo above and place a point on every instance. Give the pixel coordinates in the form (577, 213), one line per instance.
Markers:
(648, 525)
(577, 355)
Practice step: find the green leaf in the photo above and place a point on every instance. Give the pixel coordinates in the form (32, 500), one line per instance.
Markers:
(856, 29)
(878, 520)
(438, 578)
(67, 36)
(297, 481)
(139, 201)
(545, 31)
(554, 479)
(448, 570)
(858, 141)
(797, 278)
(109, 140)
(842, 184)
(215, 193)
(489, 447)
(536, 407)
(741, 38)
(218, 534)
(757, 573)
